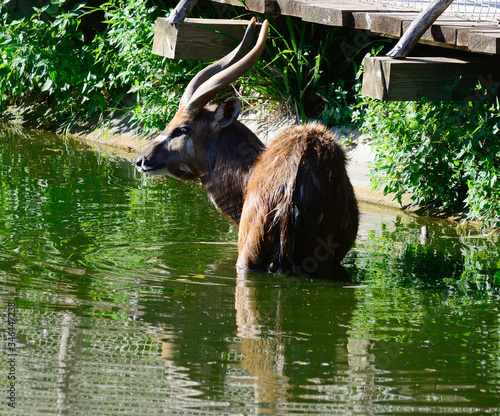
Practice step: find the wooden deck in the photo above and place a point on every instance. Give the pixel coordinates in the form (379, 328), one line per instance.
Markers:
(448, 31)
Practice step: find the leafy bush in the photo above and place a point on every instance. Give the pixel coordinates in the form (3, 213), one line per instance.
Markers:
(446, 155)
(47, 62)
(156, 82)
(38, 63)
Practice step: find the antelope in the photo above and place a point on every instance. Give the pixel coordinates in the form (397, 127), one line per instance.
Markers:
(292, 201)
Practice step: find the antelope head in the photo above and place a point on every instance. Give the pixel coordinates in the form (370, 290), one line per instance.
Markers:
(206, 142)
(178, 151)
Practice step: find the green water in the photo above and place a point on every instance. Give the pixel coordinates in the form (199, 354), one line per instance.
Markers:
(127, 302)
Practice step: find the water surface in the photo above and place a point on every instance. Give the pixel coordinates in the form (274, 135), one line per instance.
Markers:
(127, 302)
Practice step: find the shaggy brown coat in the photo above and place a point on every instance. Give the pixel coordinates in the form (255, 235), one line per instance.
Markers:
(300, 212)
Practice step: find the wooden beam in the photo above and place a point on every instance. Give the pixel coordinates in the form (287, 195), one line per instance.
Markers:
(469, 27)
(202, 39)
(319, 13)
(444, 30)
(389, 79)
(387, 23)
(290, 7)
(485, 42)
(258, 6)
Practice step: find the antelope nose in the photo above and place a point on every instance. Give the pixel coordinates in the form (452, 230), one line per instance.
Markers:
(140, 164)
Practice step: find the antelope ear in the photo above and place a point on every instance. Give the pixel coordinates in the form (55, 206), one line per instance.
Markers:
(227, 112)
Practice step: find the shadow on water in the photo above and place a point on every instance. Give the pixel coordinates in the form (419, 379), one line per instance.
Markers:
(127, 302)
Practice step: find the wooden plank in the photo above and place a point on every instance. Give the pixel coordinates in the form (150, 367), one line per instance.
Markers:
(388, 23)
(364, 20)
(485, 42)
(390, 79)
(463, 32)
(290, 7)
(333, 13)
(203, 39)
(325, 14)
(258, 6)
(443, 30)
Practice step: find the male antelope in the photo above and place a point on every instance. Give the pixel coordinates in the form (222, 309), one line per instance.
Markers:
(293, 201)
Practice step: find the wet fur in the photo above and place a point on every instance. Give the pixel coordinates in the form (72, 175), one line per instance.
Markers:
(231, 155)
(300, 213)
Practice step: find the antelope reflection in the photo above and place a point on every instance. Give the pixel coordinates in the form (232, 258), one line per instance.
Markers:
(271, 326)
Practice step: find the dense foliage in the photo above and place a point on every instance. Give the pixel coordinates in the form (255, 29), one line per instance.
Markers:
(47, 62)
(446, 155)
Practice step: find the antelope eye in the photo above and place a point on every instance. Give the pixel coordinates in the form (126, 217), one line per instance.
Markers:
(179, 131)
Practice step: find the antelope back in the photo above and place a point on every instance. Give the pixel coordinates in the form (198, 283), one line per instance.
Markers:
(300, 213)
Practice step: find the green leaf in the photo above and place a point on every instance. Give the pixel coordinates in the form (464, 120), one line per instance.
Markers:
(47, 85)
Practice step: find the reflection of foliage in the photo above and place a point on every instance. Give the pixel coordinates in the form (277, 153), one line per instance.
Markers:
(71, 217)
(449, 260)
(410, 293)
(431, 267)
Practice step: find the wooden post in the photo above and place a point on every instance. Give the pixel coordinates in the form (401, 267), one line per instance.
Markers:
(418, 27)
(181, 11)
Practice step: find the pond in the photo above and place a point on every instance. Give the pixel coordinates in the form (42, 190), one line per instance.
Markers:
(119, 296)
